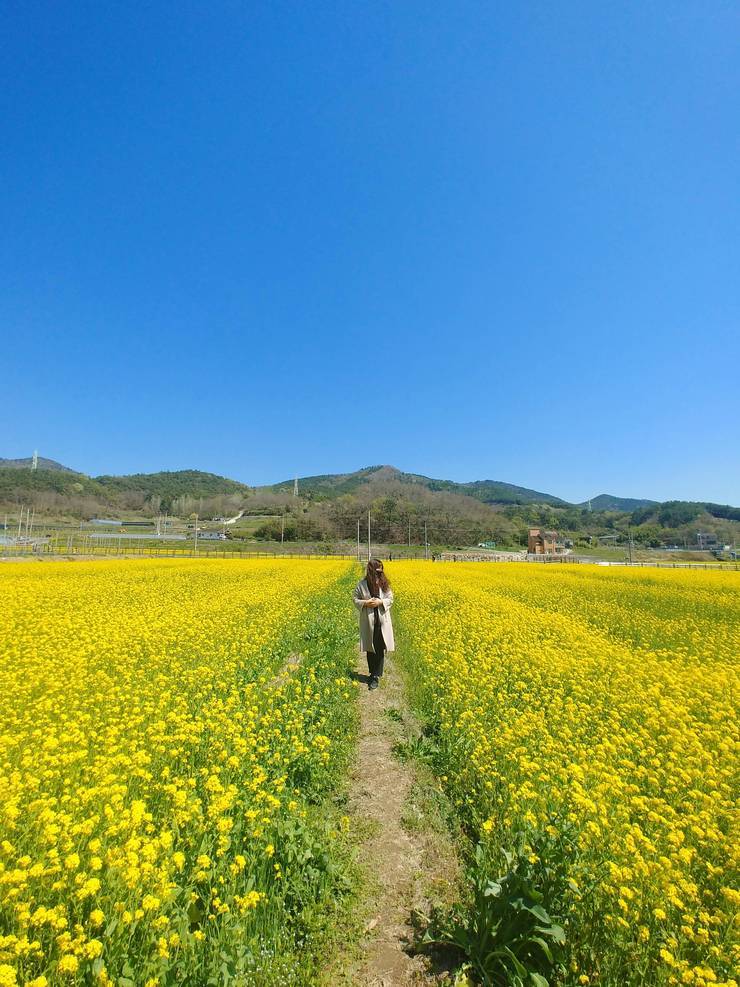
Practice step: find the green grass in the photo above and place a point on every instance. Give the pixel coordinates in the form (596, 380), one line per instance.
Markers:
(603, 552)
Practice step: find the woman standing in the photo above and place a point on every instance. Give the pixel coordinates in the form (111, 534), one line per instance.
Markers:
(373, 598)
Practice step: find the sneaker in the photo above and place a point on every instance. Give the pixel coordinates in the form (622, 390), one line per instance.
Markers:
(373, 683)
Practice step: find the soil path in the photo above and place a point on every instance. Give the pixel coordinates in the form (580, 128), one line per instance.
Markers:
(408, 862)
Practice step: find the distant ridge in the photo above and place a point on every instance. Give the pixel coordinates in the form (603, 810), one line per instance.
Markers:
(174, 483)
(370, 482)
(608, 502)
(326, 486)
(18, 484)
(43, 464)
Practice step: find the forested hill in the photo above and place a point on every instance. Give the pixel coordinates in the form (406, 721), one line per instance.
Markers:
(328, 505)
(402, 504)
(63, 490)
(27, 462)
(330, 485)
(178, 483)
(607, 502)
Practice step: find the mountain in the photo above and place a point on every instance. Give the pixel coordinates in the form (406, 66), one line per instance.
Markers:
(327, 486)
(65, 491)
(169, 485)
(672, 513)
(608, 502)
(329, 505)
(496, 492)
(45, 464)
(172, 484)
(24, 484)
(402, 505)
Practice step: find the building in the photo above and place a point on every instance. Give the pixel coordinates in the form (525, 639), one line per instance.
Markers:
(541, 542)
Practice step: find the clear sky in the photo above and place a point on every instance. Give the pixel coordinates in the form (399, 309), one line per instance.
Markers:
(473, 240)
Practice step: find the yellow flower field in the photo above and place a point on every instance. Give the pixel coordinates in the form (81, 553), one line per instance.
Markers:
(595, 711)
(167, 761)
(157, 767)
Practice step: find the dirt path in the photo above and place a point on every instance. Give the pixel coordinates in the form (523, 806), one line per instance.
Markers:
(409, 860)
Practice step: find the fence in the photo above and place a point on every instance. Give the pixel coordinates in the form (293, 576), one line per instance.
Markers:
(582, 560)
(93, 550)
(632, 565)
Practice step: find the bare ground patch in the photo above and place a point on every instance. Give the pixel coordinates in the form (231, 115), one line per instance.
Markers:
(408, 857)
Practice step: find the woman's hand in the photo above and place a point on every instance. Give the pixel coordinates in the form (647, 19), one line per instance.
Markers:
(373, 602)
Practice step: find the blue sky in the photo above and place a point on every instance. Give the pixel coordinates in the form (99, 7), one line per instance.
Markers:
(473, 240)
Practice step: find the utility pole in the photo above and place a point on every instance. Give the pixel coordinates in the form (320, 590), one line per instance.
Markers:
(426, 542)
(629, 535)
(196, 534)
(282, 529)
(368, 536)
(358, 539)
(409, 532)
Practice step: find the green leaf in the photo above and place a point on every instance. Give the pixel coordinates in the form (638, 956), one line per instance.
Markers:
(538, 980)
(544, 946)
(196, 912)
(518, 966)
(539, 912)
(554, 932)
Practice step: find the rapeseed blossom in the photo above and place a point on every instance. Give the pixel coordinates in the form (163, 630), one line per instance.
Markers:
(602, 705)
(150, 754)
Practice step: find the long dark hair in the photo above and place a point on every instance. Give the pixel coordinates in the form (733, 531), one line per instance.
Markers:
(376, 577)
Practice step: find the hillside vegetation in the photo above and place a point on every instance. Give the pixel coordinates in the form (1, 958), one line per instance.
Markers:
(27, 462)
(180, 492)
(62, 491)
(404, 507)
(328, 507)
(328, 486)
(607, 502)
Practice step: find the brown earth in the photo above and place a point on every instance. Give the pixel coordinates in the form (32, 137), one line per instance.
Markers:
(410, 863)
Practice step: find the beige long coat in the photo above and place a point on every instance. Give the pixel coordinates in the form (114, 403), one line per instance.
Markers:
(366, 615)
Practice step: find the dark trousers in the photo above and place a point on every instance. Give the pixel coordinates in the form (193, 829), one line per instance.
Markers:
(376, 657)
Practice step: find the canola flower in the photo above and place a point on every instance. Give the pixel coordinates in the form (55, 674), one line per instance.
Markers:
(157, 768)
(595, 711)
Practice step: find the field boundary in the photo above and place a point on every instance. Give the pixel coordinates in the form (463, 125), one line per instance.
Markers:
(408, 858)
(47, 553)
